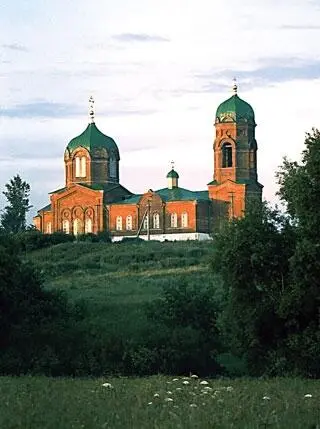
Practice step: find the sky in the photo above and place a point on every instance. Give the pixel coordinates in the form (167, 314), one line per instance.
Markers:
(158, 71)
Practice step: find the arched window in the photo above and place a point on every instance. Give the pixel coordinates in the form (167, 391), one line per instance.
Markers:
(227, 155)
(77, 226)
(78, 166)
(88, 226)
(146, 222)
(184, 220)
(48, 229)
(113, 168)
(129, 223)
(81, 166)
(119, 223)
(174, 220)
(156, 221)
(66, 226)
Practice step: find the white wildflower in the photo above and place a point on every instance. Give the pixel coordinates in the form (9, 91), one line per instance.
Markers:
(266, 398)
(229, 389)
(108, 385)
(168, 400)
(203, 382)
(179, 388)
(308, 395)
(169, 392)
(193, 405)
(207, 388)
(175, 379)
(194, 376)
(149, 403)
(156, 395)
(185, 382)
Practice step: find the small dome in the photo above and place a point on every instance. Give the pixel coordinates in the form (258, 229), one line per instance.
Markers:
(172, 174)
(92, 138)
(235, 110)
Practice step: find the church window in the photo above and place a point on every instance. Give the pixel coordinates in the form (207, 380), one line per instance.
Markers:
(119, 223)
(66, 226)
(48, 229)
(88, 226)
(174, 220)
(156, 221)
(146, 222)
(129, 223)
(113, 168)
(184, 220)
(226, 155)
(77, 226)
(81, 164)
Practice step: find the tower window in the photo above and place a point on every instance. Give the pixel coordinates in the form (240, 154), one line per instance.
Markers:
(226, 155)
(81, 163)
(113, 168)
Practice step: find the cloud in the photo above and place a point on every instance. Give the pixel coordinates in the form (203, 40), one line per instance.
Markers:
(300, 27)
(45, 109)
(15, 47)
(40, 109)
(139, 37)
(270, 71)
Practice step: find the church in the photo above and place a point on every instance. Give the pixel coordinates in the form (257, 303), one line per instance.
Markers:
(93, 200)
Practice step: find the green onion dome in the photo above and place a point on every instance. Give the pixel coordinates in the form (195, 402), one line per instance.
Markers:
(235, 110)
(91, 139)
(172, 174)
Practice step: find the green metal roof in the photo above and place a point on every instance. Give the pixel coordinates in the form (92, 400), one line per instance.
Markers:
(235, 109)
(172, 174)
(93, 138)
(46, 208)
(181, 194)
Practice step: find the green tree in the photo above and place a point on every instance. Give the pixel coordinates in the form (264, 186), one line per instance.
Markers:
(300, 192)
(13, 218)
(252, 257)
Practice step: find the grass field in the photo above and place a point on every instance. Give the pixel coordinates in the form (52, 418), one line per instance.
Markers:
(158, 403)
(115, 280)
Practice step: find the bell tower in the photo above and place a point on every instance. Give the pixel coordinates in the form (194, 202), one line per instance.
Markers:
(235, 178)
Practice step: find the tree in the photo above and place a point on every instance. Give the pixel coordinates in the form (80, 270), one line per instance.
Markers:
(251, 255)
(13, 218)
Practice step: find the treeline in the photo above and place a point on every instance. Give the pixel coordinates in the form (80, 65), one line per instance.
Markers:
(258, 305)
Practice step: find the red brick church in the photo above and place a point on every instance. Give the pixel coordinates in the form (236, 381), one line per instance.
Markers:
(93, 200)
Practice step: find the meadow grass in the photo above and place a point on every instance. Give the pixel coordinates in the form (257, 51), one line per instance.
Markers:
(158, 403)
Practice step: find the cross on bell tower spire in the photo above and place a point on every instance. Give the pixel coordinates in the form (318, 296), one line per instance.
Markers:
(91, 110)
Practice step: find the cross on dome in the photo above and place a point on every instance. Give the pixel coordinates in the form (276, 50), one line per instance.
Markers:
(235, 86)
(91, 110)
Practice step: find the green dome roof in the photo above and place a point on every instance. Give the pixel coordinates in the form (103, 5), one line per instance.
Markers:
(93, 138)
(235, 110)
(172, 175)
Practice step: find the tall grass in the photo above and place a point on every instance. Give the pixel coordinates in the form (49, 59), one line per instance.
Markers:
(44, 403)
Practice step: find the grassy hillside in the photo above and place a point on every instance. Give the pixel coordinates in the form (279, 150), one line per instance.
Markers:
(158, 403)
(115, 280)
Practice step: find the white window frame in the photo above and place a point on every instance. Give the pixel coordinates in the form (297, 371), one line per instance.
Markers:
(48, 228)
(66, 226)
(119, 223)
(156, 221)
(129, 223)
(81, 166)
(173, 220)
(88, 226)
(184, 220)
(76, 226)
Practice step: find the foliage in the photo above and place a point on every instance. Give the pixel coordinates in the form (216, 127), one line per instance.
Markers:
(13, 218)
(269, 264)
(123, 403)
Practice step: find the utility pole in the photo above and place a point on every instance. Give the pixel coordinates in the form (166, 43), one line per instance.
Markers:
(148, 218)
(232, 201)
